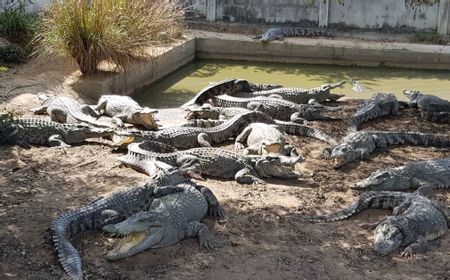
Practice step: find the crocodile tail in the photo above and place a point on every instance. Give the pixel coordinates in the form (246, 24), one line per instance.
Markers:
(301, 130)
(382, 199)
(418, 139)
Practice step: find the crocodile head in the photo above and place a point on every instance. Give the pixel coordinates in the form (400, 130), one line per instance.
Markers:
(83, 131)
(412, 95)
(141, 231)
(272, 34)
(268, 166)
(145, 117)
(388, 237)
(343, 154)
(386, 180)
(203, 112)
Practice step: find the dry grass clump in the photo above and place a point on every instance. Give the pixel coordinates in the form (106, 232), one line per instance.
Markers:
(117, 31)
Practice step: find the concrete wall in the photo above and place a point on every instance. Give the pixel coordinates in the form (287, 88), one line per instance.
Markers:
(267, 11)
(383, 13)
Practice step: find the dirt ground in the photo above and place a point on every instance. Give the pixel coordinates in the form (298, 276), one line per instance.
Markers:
(261, 236)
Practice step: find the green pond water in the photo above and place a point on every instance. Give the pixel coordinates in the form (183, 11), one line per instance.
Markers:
(179, 86)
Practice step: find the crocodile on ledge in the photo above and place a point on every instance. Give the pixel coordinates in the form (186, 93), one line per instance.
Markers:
(279, 33)
(168, 220)
(65, 109)
(115, 208)
(213, 162)
(125, 109)
(228, 86)
(359, 145)
(432, 108)
(29, 131)
(431, 173)
(190, 137)
(415, 221)
(277, 108)
(379, 105)
(298, 95)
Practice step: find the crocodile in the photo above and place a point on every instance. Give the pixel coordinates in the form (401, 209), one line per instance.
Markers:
(125, 109)
(227, 86)
(358, 145)
(213, 162)
(379, 105)
(280, 33)
(432, 108)
(416, 219)
(277, 108)
(31, 131)
(209, 112)
(168, 220)
(298, 95)
(115, 208)
(190, 137)
(65, 109)
(432, 173)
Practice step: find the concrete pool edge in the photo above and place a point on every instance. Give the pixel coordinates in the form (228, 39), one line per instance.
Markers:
(211, 45)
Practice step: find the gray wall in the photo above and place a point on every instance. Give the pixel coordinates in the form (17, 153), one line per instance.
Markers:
(266, 11)
(380, 13)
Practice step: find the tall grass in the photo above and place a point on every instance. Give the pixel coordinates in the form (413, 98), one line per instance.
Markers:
(113, 30)
(16, 23)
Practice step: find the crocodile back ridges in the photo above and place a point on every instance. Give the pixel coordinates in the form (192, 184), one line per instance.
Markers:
(414, 138)
(375, 199)
(436, 173)
(305, 32)
(302, 130)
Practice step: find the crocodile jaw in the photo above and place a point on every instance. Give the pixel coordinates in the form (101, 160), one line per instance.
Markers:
(339, 161)
(387, 238)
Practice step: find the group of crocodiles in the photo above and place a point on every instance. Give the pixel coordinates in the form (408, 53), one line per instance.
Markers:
(169, 206)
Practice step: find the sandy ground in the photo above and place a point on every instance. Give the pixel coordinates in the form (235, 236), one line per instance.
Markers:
(261, 236)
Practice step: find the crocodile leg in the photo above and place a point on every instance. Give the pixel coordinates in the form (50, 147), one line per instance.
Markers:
(214, 209)
(201, 231)
(203, 140)
(245, 176)
(241, 139)
(296, 118)
(117, 121)
(57, 115)
(101, 105)
(418, 247)
(88, 110)
(39, 110)
(56, 141)
(398, 210)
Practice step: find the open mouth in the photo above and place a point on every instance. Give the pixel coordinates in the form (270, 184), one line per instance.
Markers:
(126, 243)
(123, 141)
(274, 148)
(338, 162)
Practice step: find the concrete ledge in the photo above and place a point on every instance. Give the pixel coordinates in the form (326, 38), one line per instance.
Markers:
(210, 45)
(167, 59)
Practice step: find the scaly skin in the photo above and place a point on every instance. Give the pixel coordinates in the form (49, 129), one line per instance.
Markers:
(167, 221)
(213, 162)
(27, 131)
(277, 108)
(432, 108)
(298, 95)
(65, 109)
(279, 33)
(379, 105)
(191, 137)
(125, 109)
(416, 220)
(111, 209)
(359, 145)
(430, 173)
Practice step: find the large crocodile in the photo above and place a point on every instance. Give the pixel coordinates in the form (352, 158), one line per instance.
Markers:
(113, 209)
(379, 105)
(27, 131)
(228, 86)
(431, 107)
(190, 137)
(298, 95)
(432, 173)
(125, 109)
(279, 33)
(415, 221)
(213, 162)
(277, 108)
(168, 220)
(65, 109)
(359, 145)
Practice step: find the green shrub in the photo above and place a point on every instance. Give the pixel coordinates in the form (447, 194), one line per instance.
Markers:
(117, 31)
(427, 37)
(16, 23)
(12, 54)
